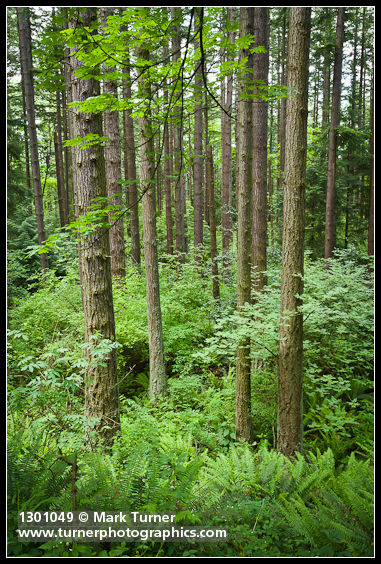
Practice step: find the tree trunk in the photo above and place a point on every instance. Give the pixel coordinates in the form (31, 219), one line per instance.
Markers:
(290, 413)
(244, 197)
(61, 192)
(207, 181)
(167, 171)
(67, 123)
(335, 115)
(371, 177)
(353, 95)
(198, 155)
(283, 102)
(130, 172)
(326, 22)
(226, 158)
(158, 172)
(260, 110)
(101, 384)
(212, 224)
(158, 379)
(113, 169)
(27, 77)
(178, 150)
(361, 101)
(63, 203)
(270, 179)
(26, 144)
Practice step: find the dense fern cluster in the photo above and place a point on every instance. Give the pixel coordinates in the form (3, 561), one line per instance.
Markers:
(269, 505)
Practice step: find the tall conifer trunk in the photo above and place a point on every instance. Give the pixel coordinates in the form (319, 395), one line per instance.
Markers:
(371, 176)
(63, 201)
(212, 223)
(290, 412)
(244, 198)
(178, 148)
(335, 115)
(198, 152)
(130, 170)
(101, 384)
(26, 69)
(113, 168)
(167, 172)
(226, 155)
(158, 379)
(260, 110)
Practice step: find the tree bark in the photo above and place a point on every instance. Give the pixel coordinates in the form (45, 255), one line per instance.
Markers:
(67, 123)
(212, 224)
(329, 242)
(167, 172)
(198, 154)
(290, 413)
(63, 202)
(27, 77)
(207, 181)
(260, 111)
(178, 151)
(130, 171)
(244, 215)
(283, 102)
(371, 177)
(226, 158)
(101, 383)
(158, 379)
(326, 22)
(113, 169)
(361, 101)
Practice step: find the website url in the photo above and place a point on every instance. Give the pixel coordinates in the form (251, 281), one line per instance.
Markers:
(170, 534)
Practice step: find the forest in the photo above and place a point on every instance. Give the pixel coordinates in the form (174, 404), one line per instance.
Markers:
(190, 281)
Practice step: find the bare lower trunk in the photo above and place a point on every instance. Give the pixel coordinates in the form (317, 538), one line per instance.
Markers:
(113, 170)
(167, 173)
(130, 173)
(212, 224)
(335, 115)
(371, 179)
(244, 197)
(290, 412)
(158, 379)
(101, 383)
(198, 154)
(226, 161)
(260, 110)
(178, 155)
(26, 68)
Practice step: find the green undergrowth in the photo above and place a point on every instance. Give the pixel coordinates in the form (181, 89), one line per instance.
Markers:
(269, 505)
(180, 453)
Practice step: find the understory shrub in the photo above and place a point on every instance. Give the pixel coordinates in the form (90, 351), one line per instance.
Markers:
(338, 354)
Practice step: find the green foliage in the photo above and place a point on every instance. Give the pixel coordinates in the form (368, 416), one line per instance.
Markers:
(351, 209)
(338, 345)
(36, 480)
(337, 519)
(88, 140)
(187, 314)
(338, 353)
(99, 215)
(180, 453)
(60, 300)
(270, 505)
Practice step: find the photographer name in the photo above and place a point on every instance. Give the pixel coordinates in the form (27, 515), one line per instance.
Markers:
(135, 516)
